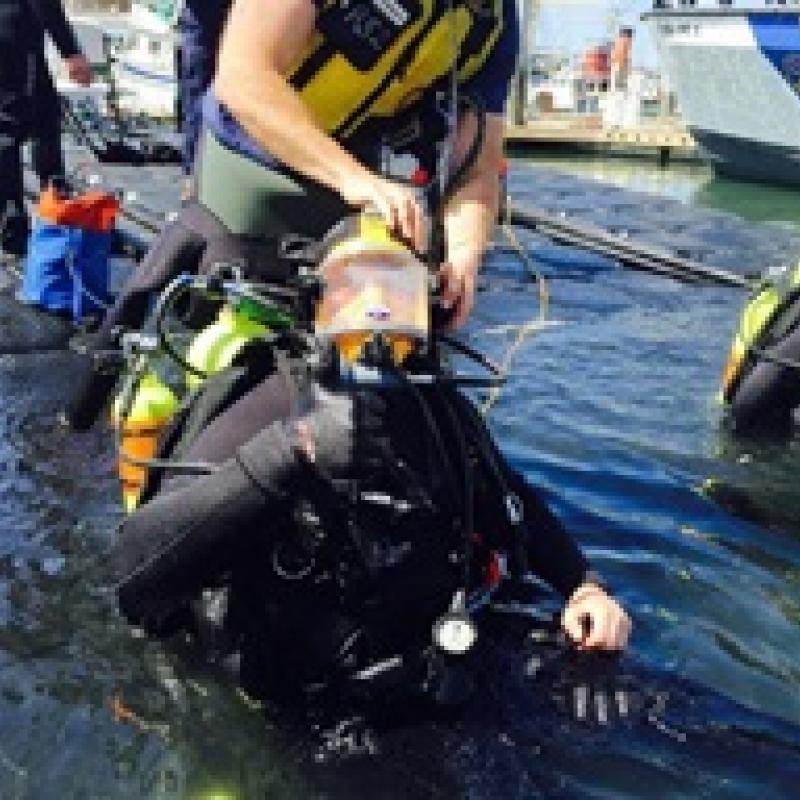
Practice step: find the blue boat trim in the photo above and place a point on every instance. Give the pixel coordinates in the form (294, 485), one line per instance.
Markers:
(151, 76)
(778, 38)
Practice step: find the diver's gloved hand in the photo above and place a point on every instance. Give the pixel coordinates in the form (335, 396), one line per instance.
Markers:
(594, 620)
(588, 686)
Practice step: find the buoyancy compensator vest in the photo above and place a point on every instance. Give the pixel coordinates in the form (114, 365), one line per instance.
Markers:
(368, 562)
(374, 58)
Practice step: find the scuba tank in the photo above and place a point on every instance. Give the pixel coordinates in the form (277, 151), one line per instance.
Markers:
(151, 411)
(155, 404)
(217, 345)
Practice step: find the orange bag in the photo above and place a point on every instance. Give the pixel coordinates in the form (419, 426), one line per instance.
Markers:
(92, 211)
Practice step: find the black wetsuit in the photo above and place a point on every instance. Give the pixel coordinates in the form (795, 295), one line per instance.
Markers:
(29, 105)
(205, 531)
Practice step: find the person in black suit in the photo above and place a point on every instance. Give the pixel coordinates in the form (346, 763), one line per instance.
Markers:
(29, 106)
(200, 25)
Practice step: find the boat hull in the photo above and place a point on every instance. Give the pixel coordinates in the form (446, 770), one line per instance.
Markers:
(749, 159)
(737, 78)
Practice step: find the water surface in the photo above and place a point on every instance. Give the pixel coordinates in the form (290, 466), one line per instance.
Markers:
(691, 183)
(612, 412)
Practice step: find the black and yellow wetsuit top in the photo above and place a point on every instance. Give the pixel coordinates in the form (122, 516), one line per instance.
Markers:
(370, 61)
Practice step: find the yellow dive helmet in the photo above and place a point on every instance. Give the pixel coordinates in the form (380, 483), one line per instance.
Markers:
(372, 285)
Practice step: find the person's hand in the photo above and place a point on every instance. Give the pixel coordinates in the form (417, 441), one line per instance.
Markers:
(79, 70)
(397, 204)
(188, 192)
(594, 620)
(458, 276)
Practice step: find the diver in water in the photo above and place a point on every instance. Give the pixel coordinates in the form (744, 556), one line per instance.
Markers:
(356, 500)
(346, 512)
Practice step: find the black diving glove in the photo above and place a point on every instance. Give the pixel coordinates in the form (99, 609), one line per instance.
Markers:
(589, 686)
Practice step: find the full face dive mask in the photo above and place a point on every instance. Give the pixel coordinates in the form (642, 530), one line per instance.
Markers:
(374, 290)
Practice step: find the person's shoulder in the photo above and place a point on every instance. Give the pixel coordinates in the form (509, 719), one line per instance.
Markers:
(493, 79)
(511, 32)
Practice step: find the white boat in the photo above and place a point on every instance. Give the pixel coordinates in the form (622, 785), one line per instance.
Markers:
(735, 66)
(145, 64)
(137, 44)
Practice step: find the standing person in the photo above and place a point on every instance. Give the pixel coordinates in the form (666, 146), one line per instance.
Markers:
(200, 25)
(29, 105)
(307, 94)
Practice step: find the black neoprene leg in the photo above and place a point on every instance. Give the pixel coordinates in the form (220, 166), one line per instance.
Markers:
(186, 539)
(273, 399)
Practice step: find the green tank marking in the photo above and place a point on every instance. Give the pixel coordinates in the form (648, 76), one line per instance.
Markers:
(215, 347)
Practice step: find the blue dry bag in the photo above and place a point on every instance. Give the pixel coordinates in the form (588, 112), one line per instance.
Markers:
(66, 271)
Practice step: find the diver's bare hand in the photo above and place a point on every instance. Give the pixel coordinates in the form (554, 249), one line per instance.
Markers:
(79, 70)
(397, 204)
(458, 278)
(594, 620)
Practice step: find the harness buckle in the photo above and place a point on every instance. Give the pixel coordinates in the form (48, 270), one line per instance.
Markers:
(515, 509)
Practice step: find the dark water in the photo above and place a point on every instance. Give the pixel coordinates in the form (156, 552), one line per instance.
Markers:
(693, 184)
(612, 411)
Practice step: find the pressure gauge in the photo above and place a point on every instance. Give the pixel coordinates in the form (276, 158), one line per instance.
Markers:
(455, 633)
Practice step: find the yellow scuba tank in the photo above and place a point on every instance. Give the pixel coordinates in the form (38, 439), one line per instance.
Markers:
(152, 408)
(216, 346)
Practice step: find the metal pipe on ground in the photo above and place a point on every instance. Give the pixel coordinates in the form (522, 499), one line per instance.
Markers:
(139, 228)
(635, 255)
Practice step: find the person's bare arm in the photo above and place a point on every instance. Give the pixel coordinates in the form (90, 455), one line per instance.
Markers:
(471, 214)
(261, 43)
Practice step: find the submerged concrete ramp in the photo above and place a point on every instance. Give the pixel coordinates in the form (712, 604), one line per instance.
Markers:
(24, 329)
